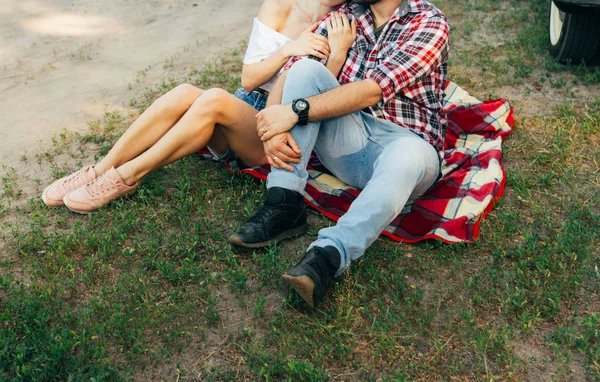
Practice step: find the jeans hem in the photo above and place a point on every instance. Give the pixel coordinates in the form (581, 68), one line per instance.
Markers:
(288, 181)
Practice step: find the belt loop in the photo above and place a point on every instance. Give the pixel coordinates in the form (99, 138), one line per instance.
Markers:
(262, 91)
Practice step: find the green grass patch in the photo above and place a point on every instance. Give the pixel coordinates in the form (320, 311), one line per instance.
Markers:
(149, 288)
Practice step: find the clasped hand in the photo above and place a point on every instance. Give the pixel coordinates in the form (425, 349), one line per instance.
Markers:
(275, 120)
(281, 150)
(273, 125)
(308, 43)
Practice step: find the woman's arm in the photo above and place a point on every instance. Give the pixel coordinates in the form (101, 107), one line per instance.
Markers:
(274, 13)
(341, 33)
(254, 75)
(276, 93)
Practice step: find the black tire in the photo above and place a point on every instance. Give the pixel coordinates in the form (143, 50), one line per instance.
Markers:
(577, 38)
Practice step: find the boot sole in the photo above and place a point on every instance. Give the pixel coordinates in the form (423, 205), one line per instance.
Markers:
(303, 285)
(234, 240)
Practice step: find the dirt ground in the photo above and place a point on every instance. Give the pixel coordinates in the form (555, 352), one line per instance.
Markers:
(64, 63)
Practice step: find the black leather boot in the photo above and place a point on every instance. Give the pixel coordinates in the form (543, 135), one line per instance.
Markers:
(311, 276)
(283, 215)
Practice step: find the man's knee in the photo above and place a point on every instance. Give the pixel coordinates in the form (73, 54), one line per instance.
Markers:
(306, 67)
(406, 160)
(309, 71)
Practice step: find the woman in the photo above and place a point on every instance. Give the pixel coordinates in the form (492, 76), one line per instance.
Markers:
(187, 118)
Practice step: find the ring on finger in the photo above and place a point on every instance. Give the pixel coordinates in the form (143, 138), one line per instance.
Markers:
(275, 157)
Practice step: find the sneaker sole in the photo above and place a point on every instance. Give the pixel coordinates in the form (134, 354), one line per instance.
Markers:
(234, 240)
(87, 212)
(82, 212)
(303, 285)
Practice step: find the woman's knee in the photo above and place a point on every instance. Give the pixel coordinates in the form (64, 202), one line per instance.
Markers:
(185, 93)
(212, 102)
(177, 100)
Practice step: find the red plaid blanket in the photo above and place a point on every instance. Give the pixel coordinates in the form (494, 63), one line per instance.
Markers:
(451, 210)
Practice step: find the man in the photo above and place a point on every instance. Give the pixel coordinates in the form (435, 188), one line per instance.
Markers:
(380, 129)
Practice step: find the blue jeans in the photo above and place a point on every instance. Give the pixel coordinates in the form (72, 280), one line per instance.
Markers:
(388, 162)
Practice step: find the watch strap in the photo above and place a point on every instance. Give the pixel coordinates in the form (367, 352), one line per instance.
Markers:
(302, 113)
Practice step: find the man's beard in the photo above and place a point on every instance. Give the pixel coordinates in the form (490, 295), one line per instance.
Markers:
(366, 2)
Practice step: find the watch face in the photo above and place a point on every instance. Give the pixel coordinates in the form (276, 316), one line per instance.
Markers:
(301, 105)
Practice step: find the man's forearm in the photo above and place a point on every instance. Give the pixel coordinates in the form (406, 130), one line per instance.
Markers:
(344, 100)
(276, 93)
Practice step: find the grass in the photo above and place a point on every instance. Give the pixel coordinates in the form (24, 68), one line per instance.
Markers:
(149, 289)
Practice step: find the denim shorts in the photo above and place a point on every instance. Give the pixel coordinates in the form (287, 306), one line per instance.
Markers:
(256, 100)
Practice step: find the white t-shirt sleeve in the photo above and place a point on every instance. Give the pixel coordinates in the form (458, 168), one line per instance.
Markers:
(263, 42)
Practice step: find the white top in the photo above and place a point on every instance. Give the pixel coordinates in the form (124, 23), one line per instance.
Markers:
(264, 41)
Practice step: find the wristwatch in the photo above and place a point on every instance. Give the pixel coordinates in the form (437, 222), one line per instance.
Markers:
(301, 106)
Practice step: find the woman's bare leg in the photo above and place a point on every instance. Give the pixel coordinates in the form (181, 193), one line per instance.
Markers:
(154, 122)
(216, 118)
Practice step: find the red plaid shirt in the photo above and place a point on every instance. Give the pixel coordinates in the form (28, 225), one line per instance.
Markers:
(408, 61)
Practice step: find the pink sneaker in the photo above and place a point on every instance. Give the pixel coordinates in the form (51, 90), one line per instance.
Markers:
(53, 194)
(98, 193)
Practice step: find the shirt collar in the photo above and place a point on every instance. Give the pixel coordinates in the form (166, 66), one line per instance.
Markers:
(406, 7)
(403, 8)
(411, 6)
(364, 17)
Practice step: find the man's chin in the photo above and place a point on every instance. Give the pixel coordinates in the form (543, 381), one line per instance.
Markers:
(366, 2)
